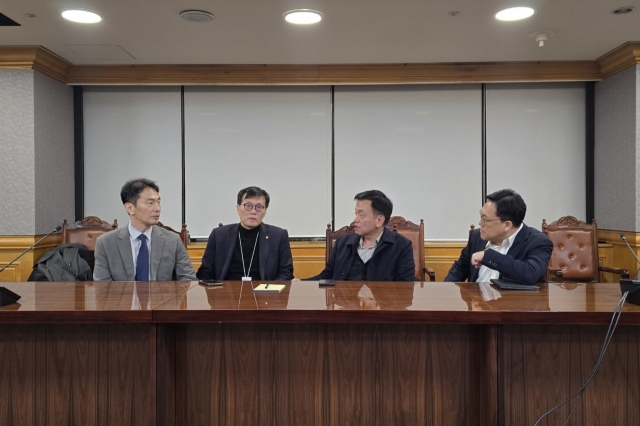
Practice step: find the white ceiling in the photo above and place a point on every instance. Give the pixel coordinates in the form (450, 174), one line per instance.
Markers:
(353, 31)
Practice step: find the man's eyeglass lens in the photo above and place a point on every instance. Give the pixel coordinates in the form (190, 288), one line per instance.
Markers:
(484, 219)
(248, 207)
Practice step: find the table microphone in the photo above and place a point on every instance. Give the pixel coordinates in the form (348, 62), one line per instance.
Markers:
(7, 297)
(631, 285)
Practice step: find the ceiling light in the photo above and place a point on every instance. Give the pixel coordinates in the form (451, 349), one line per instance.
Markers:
(302, 16)
(514, 14)
(623, 10)
(81, 16)
(197, 16)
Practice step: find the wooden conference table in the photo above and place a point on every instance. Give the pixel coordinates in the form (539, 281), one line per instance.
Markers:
(382, 354)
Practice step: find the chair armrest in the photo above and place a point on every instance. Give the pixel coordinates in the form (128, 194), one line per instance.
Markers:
(624, 273)
(431, 273)
(557, 273)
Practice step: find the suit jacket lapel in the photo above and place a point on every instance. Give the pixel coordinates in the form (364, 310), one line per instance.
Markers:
(264, 249)
(229, 244)
(157, 246)
(520, 242)
(124, 247)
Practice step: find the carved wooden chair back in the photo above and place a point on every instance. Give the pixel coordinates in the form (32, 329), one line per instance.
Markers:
(183, 233)
(86, 231)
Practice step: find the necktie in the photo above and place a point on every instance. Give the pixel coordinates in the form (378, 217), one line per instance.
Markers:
(142, 264)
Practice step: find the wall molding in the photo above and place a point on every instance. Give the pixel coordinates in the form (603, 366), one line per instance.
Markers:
(37, 58)
(40, 59)
(620, 59)
(335, 74)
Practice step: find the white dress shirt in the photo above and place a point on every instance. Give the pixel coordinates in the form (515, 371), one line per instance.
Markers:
(485, 273)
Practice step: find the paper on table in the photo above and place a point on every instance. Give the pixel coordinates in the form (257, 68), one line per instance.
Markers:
(268, 288)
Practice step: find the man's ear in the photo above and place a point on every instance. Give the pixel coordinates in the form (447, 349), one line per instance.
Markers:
(128, 207)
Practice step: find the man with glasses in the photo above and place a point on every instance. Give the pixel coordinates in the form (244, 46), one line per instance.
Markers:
(503, 247)
(249, 249)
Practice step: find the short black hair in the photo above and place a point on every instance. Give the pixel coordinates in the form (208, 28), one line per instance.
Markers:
(253, 192)
(379, 203)
(509, 206)
(132, 189)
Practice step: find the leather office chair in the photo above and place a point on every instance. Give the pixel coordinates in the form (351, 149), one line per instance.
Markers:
(415, 233)
(86, 231)
(184, 234)
(575, 251)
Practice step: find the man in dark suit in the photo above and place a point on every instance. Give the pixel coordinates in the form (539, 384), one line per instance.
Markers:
(141, 251)
(250, 249)
(503, 247)
(372, 252)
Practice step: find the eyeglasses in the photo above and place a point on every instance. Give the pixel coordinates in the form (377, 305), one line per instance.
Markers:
(484, 220)
(248, 207)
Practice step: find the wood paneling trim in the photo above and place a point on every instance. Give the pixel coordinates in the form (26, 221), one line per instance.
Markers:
(622, 257)
(308, 257)
(620, 59)
(37, 58)
(335, 74)
(460, 72)
(12, 246)
(40, 59)
(194, 75)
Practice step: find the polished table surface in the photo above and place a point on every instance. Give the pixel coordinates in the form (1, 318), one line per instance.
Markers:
(88, 302)
(360, 353)
(305, 301)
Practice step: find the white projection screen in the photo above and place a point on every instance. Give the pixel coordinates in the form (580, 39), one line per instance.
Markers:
(420, 145)
(132, 132)
(277, 138)
(536, 145)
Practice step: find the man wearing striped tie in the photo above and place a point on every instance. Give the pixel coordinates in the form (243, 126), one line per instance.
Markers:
(141, 251)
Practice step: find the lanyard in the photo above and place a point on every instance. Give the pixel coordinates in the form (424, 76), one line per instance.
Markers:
(246, 272)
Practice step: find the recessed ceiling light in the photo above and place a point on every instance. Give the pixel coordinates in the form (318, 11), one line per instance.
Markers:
(81, 16)
(514, 14)
(623, 10)
(302, 16)
(197, 16)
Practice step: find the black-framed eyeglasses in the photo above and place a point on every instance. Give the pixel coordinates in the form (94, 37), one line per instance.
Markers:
(484, 219)
(248, 207)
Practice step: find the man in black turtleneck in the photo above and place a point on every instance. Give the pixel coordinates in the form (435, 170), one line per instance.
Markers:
(249, 248)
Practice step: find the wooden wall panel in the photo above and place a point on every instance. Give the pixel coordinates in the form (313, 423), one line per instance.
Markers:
(308, 256)
(12, 246)
(621, 256)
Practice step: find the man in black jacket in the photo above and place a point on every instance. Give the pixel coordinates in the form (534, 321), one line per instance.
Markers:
(251, 248)
(372, 252)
